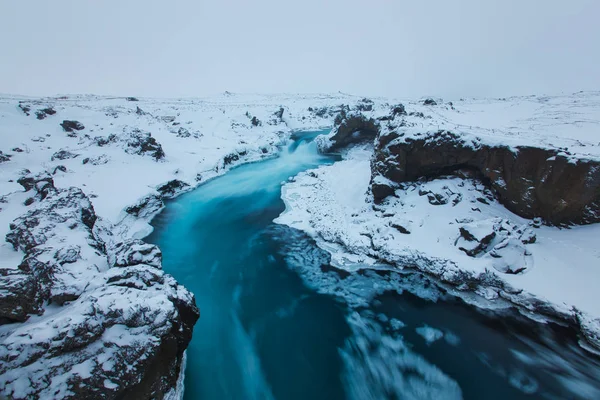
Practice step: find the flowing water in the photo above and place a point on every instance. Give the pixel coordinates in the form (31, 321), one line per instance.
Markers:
(277, 322)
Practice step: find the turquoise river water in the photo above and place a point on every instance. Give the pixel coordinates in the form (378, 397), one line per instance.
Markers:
(277, 322)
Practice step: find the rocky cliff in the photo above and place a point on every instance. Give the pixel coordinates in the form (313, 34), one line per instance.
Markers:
(85, 315)
(530, 181)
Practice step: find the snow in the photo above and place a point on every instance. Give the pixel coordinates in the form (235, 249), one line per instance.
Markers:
(330, 203)
(421, 226)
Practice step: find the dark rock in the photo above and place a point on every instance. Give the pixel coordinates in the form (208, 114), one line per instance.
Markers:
(183, 133)
(429, 102)
(63, 155)
(146, 207)
(255, 121)
(60, 168)
(104, 140)
(531, 182)
(398, 109)
(139, 111)
(365, 105)
(42, 184)
(131, 99)
(71, 126)
(17, 150)
(142, 143)
(24, 108)
(44, 112)
(19, 295)
(475, 240)
(128, 330)
(172, 188)
(279, 114)
(4, 157)
(400, 229)
(354, 128)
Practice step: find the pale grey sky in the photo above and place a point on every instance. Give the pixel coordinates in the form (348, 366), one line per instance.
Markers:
(367, 47)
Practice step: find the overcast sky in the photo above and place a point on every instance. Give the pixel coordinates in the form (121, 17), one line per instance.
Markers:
(367, 47)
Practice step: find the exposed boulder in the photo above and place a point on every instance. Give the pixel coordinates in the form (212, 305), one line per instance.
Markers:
(142, 143)
(25, 108)
(531, 182)
(4, 157)
(398, 109)
(71, 126)
(131, 99)
(63, 155)
(58, 168)
(429, 102)
(183, 132)
(102, 141)
(42, 184)
(44, 112)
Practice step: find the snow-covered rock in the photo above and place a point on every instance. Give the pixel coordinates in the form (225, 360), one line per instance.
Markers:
(85, 309)
(451, 222)
(91, 331)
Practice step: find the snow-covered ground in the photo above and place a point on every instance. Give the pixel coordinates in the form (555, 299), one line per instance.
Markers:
(65, 258)
(439, 225)
(567, 122)
(123, 150)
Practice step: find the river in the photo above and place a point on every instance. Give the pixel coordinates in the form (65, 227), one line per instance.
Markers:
(278, 323)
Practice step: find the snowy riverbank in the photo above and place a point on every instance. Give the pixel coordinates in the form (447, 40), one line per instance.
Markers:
(454, 228)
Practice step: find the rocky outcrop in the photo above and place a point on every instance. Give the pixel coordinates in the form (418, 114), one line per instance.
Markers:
(529, 181)
(4, 157)
(44, 112)
(351, 128)
(172, 188)
(72, 126)
(118, 326)
(499, 240)
(63, 155)
(142, 143)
